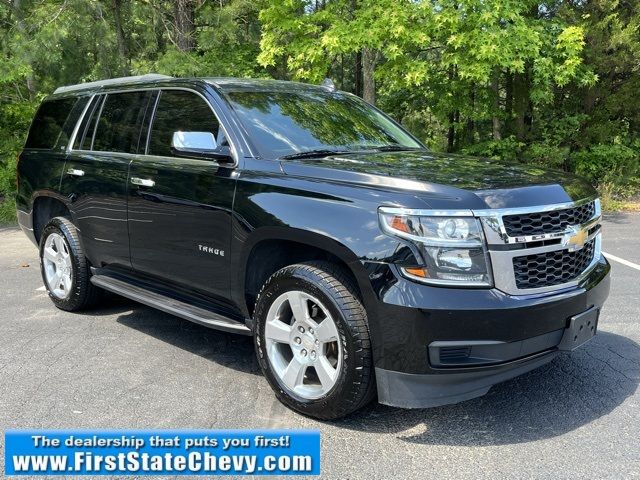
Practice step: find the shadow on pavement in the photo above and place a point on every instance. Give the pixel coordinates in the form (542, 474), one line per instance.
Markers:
(570, 392)
(228, 349)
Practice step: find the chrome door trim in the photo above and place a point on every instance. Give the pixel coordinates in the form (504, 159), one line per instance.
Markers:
(72, 139)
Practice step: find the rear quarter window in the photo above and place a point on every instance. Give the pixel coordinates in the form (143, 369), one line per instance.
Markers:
(54, 122)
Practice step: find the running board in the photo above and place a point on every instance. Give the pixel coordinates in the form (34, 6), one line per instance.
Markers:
(173, 306)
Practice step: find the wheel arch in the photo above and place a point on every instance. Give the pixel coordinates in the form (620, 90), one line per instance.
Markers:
(46, 207)
(273, 248)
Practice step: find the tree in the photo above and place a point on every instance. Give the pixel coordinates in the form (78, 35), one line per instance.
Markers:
(551, 83)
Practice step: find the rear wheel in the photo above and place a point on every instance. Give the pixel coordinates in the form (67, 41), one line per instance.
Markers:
(312, 341)
(64, 267)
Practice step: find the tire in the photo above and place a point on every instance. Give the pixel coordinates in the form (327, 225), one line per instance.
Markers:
(323, 292)
(61, 241)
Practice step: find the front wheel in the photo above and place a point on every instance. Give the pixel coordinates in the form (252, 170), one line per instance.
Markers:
(312, 341)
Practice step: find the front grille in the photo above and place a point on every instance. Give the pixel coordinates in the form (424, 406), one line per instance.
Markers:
(552, 268)
(547, 222)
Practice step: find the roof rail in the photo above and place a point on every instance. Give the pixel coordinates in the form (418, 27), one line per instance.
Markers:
(112, 81)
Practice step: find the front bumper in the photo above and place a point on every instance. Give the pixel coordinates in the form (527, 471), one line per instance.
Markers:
(497, 337)
(407, 390)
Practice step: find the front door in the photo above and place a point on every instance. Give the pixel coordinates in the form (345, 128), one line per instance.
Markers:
(179, 209)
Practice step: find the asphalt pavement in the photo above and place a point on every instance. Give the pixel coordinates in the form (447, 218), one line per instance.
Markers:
(128, 366)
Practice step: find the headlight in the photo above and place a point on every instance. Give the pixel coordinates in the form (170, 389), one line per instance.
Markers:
(452, 246)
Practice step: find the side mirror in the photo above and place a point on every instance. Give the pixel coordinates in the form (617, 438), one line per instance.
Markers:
(198, 145)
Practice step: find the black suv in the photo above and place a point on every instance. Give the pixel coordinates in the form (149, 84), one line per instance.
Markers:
(360, 262)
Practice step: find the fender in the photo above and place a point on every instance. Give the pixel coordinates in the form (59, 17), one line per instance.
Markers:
(304, 237)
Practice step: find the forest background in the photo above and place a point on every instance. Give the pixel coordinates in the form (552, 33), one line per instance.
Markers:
(548, 83)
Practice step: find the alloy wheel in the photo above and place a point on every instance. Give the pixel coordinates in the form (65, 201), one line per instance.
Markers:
(303, 345)
(58, 270)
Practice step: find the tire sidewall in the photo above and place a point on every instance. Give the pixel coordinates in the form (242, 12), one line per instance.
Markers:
(316, 287)
(58, 226)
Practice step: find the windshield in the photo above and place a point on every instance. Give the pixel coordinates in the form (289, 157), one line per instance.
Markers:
(283, 124)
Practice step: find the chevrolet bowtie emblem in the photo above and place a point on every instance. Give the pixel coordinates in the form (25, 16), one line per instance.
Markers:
(577, 241)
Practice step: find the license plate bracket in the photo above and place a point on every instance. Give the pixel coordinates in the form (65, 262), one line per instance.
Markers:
(581, 329)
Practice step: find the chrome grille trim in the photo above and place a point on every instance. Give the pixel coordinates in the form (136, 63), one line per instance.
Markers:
(540, 223)
(502, 259)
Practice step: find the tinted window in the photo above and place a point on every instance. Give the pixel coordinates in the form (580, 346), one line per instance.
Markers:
(284, 123)
(85, 134)
(54, 123)
(181, 111)
(119, 125)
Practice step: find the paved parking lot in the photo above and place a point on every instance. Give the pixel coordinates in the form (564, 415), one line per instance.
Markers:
(128, 366)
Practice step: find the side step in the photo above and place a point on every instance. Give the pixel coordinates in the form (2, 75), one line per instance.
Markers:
(173, 306)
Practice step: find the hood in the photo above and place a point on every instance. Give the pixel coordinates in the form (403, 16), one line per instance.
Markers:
(438, 178)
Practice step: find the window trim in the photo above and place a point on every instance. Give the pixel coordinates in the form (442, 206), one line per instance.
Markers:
(74, 133)
(95, 127)
(70, 149)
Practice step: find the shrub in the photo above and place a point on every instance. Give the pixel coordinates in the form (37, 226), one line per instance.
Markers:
(507, 148)
(616, 166)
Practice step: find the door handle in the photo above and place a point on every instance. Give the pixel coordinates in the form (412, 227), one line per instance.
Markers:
(75, 173)
(143, 182)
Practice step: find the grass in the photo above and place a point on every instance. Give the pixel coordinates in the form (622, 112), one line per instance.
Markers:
(615, 201)
(621, 206)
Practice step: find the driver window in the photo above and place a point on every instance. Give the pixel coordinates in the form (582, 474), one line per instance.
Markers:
(181, 111)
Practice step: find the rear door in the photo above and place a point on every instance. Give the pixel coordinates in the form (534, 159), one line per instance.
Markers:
(180, 208)
(95, 176)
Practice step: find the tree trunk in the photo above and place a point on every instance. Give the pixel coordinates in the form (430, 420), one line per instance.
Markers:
(508, 103)
(357, 73)
(357, 65)
(123, 47)
(522, 104)
(589, 100)
(369, 60)
(20, 26)
(495, 89)
(451, 133)
(184, 26)
(159, 33)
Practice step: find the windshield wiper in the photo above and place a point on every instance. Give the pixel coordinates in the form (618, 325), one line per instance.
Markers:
(395, 148)
(315, 153)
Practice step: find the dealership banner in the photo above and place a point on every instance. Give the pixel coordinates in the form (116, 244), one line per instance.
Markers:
(162, 452)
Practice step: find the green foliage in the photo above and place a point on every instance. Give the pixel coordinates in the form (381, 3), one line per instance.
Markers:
(508, 148)
(8, 210)
(617, 165)
(552, 84)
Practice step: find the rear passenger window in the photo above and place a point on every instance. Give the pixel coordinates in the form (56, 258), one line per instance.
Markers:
(54, 123)
(181, 111)
(84, 137)
(120, 122)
